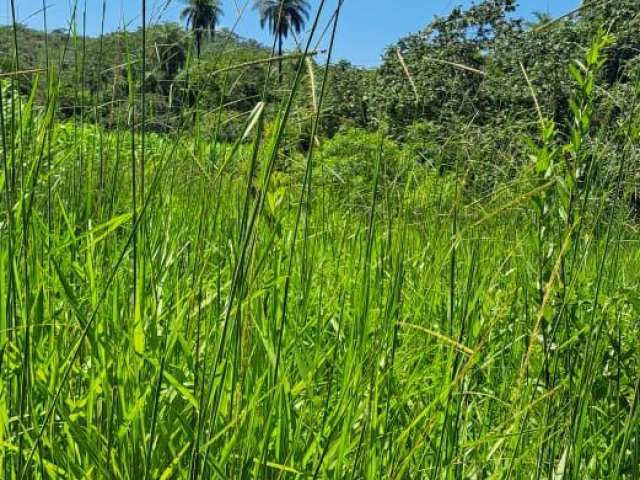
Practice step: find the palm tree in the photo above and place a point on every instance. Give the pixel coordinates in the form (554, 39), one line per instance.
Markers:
(540, 19)
(283, 17)
(202, 16)
(169, 51)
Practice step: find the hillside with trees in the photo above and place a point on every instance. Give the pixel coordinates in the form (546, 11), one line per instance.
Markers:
(470, 73)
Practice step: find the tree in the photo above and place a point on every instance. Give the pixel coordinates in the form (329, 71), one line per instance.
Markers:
(168, 51)
(539, 20)
(166, 58)
(420, 78)
(621, 18)
(202, 17)
(347, 102)
(283, 17)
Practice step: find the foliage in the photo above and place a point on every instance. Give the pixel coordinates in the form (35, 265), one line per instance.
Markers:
(444, 297)
(283, 18)
(202, 16)
(348, 105)
(348, 166)
(420, 77)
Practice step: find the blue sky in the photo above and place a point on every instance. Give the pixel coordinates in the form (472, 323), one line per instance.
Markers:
(367, 26)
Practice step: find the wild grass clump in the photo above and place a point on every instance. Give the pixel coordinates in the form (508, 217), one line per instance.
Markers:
(196, 304)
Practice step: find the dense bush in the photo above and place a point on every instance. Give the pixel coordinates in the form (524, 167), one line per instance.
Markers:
(349, 161)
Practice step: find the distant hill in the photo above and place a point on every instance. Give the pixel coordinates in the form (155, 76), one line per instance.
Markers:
(106, 50)
(103, 67)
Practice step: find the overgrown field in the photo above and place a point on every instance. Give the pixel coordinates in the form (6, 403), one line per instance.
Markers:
(177, 306)
(229, 331)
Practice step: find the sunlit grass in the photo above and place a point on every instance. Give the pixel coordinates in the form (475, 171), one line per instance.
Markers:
(228, 318)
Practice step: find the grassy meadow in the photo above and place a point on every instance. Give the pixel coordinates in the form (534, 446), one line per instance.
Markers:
(186, 303)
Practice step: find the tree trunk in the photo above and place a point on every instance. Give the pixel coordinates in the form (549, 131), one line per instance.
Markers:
(198, 42)
(280, 59)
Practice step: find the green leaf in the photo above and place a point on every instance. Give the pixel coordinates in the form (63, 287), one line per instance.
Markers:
(138, 339)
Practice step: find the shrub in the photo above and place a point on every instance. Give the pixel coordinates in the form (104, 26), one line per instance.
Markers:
(348, 165)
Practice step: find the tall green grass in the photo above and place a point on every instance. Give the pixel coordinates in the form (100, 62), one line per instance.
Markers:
(177, 307)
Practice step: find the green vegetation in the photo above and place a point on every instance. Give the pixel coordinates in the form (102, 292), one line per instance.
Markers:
(202, 16)
(426, 270)
(283, 17)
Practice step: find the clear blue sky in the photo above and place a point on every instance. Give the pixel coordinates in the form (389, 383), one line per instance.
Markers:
(367, 26)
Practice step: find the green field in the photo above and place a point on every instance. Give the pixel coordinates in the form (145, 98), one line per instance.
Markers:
(194, 302)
